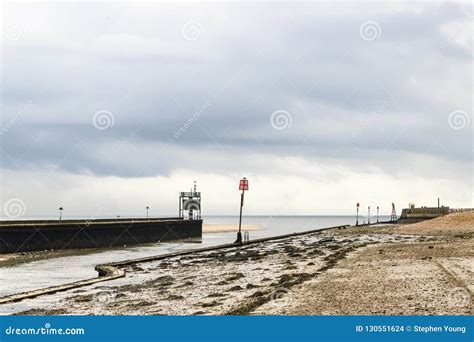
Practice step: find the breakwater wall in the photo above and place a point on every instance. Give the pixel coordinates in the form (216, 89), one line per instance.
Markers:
(25, 236)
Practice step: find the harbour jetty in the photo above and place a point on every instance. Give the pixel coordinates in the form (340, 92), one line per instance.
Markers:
(36, 235)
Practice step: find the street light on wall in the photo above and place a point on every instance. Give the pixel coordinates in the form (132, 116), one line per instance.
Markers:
(357, 216)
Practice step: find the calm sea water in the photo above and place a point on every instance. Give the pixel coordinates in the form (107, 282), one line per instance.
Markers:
(43, 273)
(277, 225)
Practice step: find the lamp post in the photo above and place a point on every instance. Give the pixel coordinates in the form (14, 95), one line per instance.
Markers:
(368, 216)
(378, 214)
(244, 186)
(147, 208)
(60, 213)
(357, 216)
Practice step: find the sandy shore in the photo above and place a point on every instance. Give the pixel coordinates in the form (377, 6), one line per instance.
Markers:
(382, 270)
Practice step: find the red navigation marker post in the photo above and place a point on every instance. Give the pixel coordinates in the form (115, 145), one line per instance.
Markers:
(244, 186)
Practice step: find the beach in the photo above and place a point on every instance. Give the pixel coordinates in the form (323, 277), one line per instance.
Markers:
(386, 269)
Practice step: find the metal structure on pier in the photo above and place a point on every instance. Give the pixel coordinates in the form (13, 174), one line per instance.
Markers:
(190, 204)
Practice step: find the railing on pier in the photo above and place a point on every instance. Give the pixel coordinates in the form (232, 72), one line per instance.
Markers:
(85, 220)
(461, 210)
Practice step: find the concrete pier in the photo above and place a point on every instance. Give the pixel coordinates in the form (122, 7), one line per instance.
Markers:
(413, 215)
(35, 235)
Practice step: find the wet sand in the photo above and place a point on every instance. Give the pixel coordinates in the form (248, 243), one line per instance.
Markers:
(11, 259)
(219, 228)
(383, 269)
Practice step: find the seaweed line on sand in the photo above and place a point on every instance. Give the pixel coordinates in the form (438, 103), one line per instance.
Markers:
(287, 281)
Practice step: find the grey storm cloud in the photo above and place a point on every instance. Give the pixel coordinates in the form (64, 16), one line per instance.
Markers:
(172, 98)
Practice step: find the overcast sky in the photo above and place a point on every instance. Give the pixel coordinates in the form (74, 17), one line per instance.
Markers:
(110, 107)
